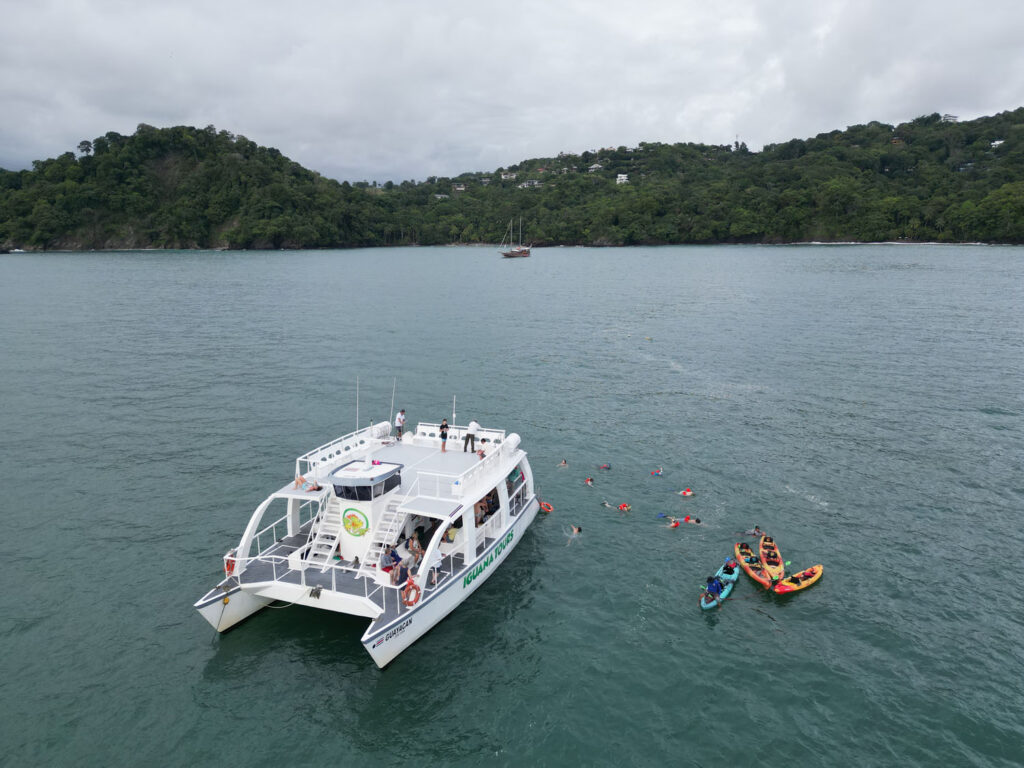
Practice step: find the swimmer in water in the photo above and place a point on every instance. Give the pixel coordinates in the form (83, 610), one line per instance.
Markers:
(755, 532)
(589, 481)
(687, 492)
(657, 472)
(673, 523)
(563, 463)
(691, 520)
(604, 466)
(624, 507)
(604, 503)
(573, 533)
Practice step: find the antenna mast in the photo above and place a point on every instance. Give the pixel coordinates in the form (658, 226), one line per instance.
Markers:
(357, 403)
(453, 410)
(391, 417)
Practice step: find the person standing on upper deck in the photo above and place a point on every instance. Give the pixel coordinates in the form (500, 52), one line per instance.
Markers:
(470, 438)
(400, 423)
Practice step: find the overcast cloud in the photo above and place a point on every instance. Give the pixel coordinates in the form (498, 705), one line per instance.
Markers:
(403, 90)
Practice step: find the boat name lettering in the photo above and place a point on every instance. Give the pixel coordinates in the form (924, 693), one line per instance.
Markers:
(396, 631)
(482, 566)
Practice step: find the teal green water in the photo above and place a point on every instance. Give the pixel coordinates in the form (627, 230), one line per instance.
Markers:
(864, 404)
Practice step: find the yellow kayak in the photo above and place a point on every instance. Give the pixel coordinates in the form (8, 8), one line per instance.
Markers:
(800, 580)
(771, 560)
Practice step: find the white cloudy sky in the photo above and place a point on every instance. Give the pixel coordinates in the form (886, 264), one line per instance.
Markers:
(402, 89)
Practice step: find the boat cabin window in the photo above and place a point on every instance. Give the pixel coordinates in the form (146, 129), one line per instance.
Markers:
(353, 492)
(368, 492)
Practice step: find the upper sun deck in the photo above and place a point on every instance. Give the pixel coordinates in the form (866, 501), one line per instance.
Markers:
(372, 455)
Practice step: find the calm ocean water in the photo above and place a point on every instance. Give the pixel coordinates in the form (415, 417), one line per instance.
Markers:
(863, 403)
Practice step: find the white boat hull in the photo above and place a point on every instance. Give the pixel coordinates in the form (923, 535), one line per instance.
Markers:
(386, 642)
(231, 606)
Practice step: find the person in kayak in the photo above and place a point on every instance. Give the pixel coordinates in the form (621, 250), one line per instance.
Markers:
(714, 589)
(730, 567)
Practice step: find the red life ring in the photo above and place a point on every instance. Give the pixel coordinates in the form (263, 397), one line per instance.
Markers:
(411, 593)
(229, 563)
(546, 507)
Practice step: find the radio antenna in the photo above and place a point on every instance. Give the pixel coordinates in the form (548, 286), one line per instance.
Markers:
(453, 410)
(391, 416)
(357, 403)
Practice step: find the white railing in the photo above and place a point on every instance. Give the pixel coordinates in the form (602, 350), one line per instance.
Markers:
(307, 511)
(334, 451)
(459, 433)
(440, 485)
(280, 566)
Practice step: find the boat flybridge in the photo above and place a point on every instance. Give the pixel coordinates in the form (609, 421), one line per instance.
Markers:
(394, 530)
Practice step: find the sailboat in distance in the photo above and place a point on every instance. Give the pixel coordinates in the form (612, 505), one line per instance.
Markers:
(514, 251)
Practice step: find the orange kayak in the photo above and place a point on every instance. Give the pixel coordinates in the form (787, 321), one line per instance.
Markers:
(771, 560)
(751, 563)
(800, 580)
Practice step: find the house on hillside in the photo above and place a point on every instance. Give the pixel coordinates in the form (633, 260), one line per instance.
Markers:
(529, 183)
(458, 187)
(595, 168)
(622, 178)
(441, 197)
(485, 181)
(508, 176)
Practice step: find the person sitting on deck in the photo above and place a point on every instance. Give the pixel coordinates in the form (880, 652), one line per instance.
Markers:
(414, 546)
(390, 559)
(306, 485)
(400, 574)
(435, 563)
(730, 567)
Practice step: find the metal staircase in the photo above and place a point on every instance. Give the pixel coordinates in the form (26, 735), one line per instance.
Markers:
(325, 535)
(384, 534)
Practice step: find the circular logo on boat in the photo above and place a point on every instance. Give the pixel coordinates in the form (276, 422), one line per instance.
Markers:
(355, 522)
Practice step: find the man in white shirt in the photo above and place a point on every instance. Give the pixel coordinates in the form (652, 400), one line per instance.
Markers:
(471, 431)
(400, 423)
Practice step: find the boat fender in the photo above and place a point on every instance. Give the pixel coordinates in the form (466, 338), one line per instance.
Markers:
(411, 593)
(546, 507)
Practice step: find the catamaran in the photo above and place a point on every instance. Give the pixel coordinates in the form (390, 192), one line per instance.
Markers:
(514, 251)
(367, 507)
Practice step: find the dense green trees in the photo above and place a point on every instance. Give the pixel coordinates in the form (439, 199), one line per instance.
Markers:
(185, 187)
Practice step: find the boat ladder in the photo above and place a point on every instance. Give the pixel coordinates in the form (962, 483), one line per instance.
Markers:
(327, 534)
(384, 534)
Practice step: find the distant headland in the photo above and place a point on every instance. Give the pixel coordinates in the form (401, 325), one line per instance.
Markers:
(931, 179)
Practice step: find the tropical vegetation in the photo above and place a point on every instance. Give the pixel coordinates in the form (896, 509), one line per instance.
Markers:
(930, 179)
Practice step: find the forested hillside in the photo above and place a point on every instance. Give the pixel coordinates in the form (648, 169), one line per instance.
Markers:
(184, 187)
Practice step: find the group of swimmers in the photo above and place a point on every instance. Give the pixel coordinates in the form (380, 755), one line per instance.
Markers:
(573, 532)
